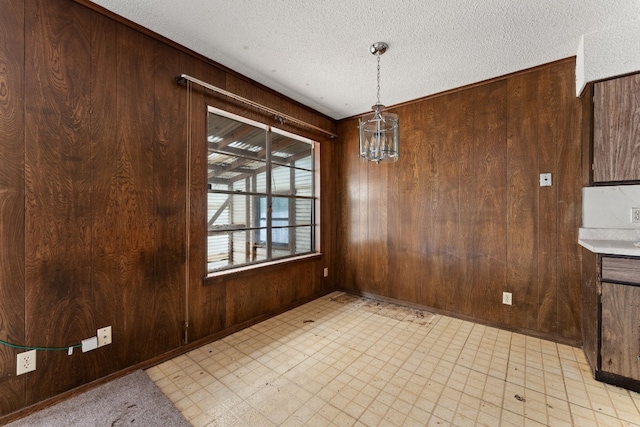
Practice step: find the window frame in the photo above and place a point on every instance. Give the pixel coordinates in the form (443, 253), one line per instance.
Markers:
(269, 195)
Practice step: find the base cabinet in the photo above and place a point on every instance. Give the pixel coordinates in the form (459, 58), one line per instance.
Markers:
(619, 322)
(620, 347)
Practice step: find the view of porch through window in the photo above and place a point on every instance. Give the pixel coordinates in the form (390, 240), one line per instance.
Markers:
(261, 198)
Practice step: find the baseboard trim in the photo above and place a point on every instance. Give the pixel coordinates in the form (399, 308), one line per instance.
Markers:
(529, 332)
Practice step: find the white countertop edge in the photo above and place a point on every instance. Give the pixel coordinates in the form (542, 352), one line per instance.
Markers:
(611, 247)
(613, 234)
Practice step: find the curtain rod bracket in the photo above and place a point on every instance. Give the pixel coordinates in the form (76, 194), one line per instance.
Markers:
(180, 79)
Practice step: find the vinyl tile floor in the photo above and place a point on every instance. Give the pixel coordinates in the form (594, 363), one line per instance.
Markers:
(342, 360)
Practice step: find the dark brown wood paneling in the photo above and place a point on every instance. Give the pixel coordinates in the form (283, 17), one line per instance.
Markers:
(170, 193)
(522, 195)
(104, 189)
(444, 230)
(247, 296)
(546, 112)
(488, 254)
(616, 134)
(405, 249)
(12, 220)
(207, 305)
(467, 218)
(366, 205)
(58, 193)
(567, 135)
(347, 206)
(427, 196)
(136, 211)
(620, 349)
(455, 195)
(375, 258)
(329, 193)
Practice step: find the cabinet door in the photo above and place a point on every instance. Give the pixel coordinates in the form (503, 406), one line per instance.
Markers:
(616, 131)
(620, 349)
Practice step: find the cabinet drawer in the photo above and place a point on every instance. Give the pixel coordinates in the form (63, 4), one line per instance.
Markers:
(623, 270)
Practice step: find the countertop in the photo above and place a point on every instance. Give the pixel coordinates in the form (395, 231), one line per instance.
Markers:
(612, 241)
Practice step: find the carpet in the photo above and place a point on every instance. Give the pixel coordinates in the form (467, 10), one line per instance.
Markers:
(133, 400)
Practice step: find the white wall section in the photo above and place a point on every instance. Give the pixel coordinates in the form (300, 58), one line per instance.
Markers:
(608, 53)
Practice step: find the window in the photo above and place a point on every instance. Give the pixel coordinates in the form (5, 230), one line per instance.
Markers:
(261, 195)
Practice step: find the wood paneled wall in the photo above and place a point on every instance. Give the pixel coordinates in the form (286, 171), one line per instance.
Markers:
(461, 217)
(12, 199)
(93, 187)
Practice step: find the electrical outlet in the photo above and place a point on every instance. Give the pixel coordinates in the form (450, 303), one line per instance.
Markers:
(635, 215)
(104, 336)
(326, 272)
(506, 298)
(26, 362)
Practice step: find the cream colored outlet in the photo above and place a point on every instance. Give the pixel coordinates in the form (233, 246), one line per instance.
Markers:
(507, 298)
(104, 336)
(326, 272)
(26, 362)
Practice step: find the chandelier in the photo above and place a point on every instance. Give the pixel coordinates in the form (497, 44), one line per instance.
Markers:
(379, 131)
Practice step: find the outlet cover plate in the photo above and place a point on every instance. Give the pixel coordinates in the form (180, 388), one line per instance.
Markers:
(507, 298)
(26, 362)
(635, 215)
(104, 336)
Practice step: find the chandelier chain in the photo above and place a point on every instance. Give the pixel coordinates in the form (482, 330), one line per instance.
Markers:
(378, 79)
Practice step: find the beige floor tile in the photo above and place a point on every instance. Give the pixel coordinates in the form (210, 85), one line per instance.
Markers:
(366, 363)
(510, 419)
(444, 413)
(487, 420)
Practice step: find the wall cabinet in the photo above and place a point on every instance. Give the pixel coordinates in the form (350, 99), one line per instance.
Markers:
(616, 133)
(618, 359)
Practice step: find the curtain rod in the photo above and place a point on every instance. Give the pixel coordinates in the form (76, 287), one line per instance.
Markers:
(278, 115)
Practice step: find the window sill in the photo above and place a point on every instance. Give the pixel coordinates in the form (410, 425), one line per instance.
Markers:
(260, 268)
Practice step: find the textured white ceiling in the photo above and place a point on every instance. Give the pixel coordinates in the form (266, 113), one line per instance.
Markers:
(317, 52)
